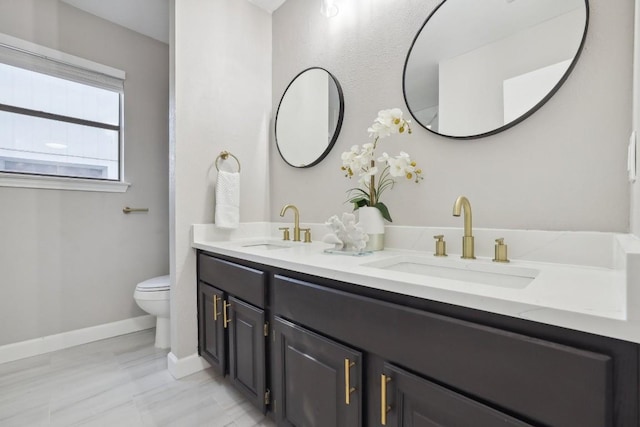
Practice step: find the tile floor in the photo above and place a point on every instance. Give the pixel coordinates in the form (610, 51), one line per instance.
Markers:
(121, 381)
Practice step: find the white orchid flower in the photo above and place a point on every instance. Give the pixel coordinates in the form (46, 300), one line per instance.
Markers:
(366, 155)
(405, 158)
(400, 165)
(366, 174)
(396, 167)
(379, 130)
(363, 162)
(398, 123)
(389, 122)
(347, 157)
(384, 158)
(369, 172)
(385, 118)
(367, 148)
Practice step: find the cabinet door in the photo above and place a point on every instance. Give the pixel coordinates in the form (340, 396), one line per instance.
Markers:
(407, 400)
(211, 336)
(317, 382)
(246, 350)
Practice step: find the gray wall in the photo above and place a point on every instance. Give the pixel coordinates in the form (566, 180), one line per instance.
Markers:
(564, 168)
(71, 259)
(635, 188)
(221, 95)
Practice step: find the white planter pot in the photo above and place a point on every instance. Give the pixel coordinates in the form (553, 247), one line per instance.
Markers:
(371, 221)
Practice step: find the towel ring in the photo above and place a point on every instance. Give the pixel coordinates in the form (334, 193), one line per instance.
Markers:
(224, 155)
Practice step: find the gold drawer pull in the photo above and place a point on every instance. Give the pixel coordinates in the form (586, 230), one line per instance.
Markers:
(384, 408)
(347, 381)
(225, 314)
(215, 307)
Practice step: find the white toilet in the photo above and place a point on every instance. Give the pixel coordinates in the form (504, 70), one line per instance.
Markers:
(153, 297)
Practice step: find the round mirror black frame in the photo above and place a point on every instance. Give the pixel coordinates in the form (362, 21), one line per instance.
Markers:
(515, 121)
(338, 123)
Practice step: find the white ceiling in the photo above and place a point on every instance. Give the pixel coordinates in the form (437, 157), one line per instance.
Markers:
(268, 5)
(148, 17)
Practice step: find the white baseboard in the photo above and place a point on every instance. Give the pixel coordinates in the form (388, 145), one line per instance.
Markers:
(34, 347)
(180, 368)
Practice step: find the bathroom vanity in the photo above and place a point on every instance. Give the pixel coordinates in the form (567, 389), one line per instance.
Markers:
(316, 349)
(232, 323)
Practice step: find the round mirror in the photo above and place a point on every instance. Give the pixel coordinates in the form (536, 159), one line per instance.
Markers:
(309, 117)
(476, 68)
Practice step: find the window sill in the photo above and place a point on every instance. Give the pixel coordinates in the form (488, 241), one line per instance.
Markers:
(61, 183)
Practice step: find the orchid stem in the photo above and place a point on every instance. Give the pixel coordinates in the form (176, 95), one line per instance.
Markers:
(372, 187)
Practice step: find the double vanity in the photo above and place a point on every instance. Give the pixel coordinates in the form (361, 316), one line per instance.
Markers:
(401, 337)
(451, 332)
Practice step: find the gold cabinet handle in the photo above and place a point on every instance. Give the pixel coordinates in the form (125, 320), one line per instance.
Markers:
(384, 408)
(347, 381)
(215, 307)
(225, 314)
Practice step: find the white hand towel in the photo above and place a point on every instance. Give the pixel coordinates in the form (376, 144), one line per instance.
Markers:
(631, 158)
(227, 212)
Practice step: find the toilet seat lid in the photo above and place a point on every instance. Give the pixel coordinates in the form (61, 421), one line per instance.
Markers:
(156, 284)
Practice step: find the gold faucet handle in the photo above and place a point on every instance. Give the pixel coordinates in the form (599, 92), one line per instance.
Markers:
(285, 233)
(307, 234)
(441, 245)
(500, 251)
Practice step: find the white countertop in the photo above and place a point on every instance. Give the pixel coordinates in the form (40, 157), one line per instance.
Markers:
(580, 296)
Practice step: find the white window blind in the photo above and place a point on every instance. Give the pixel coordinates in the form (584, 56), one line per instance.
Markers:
(59, 115)
(41, 63)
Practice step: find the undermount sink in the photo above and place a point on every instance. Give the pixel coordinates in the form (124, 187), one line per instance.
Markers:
(501, 275)
(266, 245)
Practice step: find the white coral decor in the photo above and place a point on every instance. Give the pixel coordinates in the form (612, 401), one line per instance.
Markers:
(346, 233)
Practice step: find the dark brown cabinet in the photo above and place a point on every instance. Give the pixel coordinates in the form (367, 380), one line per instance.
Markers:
(247, 350)
(211, 336)
(317, 381)
(407, 400)
(340, 355)
(232, 325)
(533, 380)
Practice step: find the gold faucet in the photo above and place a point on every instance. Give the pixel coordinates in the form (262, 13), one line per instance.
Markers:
(462, 203)
(296, 221)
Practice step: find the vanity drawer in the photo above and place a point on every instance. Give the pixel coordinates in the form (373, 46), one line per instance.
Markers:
(540, 381)
(246, 283)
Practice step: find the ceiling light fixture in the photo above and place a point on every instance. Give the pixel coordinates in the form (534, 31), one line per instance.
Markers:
(328, 8)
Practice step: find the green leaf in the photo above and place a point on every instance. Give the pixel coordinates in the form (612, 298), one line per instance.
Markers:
(358, 203)
(383, 210)
(383, 185)
(358, 197)
(357, 190)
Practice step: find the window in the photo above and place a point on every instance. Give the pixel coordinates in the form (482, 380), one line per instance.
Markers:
(60, 116)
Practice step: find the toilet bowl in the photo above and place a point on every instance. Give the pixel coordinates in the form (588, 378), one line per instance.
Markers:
(152, 296)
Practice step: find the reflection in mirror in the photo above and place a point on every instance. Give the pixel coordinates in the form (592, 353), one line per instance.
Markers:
(309, 117)
(478, 67)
